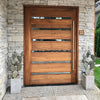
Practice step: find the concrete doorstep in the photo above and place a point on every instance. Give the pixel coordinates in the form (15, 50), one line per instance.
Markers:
(62, 92)
(71, 97)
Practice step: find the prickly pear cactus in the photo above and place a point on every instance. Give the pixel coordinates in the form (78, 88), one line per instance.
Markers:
(88, 62)
(19, 67)
(13, 68)
(15, 64)
(15, 74)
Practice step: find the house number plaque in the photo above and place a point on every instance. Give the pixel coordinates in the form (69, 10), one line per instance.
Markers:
(81, 32)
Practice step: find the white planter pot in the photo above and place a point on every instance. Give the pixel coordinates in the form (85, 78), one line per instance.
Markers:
(15, 85)
(88, 82)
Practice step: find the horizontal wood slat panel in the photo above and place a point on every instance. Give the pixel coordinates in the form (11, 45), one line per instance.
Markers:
(51, 34)
(51, 23)
(51, 67)
(51, 45)
(48, 60)
(51, 56)
(50, 79)
(52, 12)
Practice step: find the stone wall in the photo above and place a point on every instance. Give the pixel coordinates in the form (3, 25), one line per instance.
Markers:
(86, 23)
(3, 47)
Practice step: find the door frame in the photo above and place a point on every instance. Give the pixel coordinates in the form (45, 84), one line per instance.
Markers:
(77, 37)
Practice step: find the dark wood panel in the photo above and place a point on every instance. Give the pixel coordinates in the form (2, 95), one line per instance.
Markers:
(52, 12)
(74, 74)
(77, 43)
(51, 56)
(51, 45)
(50, 79)
(51, 34)
(27, 45)
(51, 23)
(51, 67)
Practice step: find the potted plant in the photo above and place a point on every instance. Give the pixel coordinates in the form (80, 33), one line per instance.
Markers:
(88, 73)
(14, 66)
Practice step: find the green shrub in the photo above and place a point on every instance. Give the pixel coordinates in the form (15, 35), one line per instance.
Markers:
(97, 37)
(97, 61)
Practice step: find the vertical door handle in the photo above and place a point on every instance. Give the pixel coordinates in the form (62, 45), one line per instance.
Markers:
(73, 47)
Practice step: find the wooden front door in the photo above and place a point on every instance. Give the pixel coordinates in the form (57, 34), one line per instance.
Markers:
(50, 45)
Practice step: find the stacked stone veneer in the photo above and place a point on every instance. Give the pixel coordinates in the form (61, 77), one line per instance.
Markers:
(3, 47)
(16, 24)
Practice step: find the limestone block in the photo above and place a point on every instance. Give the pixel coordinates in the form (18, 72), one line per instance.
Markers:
(0, 81)
(53, 2)
(36, 1)
(3, 47)
(43, 2)
(17, 38)
(0, 33)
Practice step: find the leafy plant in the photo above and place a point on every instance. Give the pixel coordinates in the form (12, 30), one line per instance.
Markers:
(88, 62)
(15, 64)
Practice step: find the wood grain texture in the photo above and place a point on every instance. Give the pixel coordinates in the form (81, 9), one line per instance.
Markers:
(77, 43)
(29, 34)
(51, 23)
(51, 67)
(51, 56)
(74, 54)
(27, 45)
(52, 12)
(50, 79)
(51, 45)
(75, 71)
(51, 34)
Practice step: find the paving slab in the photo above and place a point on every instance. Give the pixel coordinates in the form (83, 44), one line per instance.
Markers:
(54, 91)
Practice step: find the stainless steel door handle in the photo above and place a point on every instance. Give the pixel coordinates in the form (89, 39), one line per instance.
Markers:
(73, 46)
